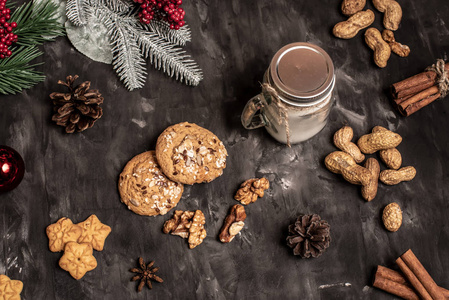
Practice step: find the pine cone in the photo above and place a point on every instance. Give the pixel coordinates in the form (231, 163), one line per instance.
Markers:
(309, 236)
(79, 108)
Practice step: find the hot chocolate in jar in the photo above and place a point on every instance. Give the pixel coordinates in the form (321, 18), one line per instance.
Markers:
(296, 94)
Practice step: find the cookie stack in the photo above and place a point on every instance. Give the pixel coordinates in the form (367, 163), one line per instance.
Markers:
(152, 182)
(77, 241)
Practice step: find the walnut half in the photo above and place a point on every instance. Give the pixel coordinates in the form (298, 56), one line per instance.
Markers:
(197, 233)
(187, 224)
(179, 224)
(233, 223)
(251, 189)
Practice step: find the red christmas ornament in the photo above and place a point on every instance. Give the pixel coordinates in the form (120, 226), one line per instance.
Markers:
(12, 169)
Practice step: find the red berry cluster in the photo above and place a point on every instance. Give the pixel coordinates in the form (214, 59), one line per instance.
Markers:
(167, 10)
(6, 35)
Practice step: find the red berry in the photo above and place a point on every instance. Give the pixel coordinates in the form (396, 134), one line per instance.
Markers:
(2, 56)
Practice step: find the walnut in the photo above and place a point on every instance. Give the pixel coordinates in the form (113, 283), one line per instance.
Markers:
(233, 223)
(179, 224)
(197, 233)
(251, 189)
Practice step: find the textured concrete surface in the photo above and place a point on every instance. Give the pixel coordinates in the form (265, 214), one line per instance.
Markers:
(233, 41)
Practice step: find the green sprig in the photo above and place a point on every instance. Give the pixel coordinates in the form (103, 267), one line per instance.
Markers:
(36, 24)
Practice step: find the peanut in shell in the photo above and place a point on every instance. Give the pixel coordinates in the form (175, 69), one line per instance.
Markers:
(349, 28)
(369, 191)
(338, 160)
(382, 140)
(391, 157)
(392, 217)
(342, 140)
(350, 7)
(392, 177)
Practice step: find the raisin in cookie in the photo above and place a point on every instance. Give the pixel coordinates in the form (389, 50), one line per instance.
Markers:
(189, 154)
(145, 189)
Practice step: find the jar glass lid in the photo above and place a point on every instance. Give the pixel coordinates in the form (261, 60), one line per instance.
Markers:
(302, 71)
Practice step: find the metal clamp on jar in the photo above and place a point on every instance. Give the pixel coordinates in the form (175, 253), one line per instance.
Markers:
(296, 94)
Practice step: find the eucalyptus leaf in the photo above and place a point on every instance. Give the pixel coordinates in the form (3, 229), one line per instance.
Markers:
(91, 40)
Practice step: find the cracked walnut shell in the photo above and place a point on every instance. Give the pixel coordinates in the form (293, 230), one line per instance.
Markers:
(251, 189)
(233, 223)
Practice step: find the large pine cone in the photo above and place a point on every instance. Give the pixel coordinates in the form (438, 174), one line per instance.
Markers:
(79, 108)
(309, 236)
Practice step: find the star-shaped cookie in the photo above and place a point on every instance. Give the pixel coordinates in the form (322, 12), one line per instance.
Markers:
(62, 232)
(10, 289)
(78, 259)
(94, 232)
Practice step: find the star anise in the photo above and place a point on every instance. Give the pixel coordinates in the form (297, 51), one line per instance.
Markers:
(145, 273)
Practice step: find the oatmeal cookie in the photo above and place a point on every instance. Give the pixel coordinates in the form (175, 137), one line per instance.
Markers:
(189, 154)
(145, 189)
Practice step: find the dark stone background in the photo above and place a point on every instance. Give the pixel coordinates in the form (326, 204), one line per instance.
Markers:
(233, 41)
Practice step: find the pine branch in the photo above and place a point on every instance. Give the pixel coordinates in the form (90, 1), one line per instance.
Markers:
(78, 11)
(167, 56)
(16, 72)
(178, 37)
(127, 60)
(133, 41)
(117, 6)
(36, 23)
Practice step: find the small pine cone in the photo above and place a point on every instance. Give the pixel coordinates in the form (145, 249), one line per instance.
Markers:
(77, 109)
(309, 236)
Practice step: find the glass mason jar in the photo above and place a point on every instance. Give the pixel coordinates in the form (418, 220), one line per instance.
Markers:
(302, 76)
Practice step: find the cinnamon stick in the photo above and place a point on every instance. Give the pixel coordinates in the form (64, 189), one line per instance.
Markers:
(394, 288)
(399, 278)
(419, 287)
(415, 84)
(411, 263)
(412, 104)
(391, 275)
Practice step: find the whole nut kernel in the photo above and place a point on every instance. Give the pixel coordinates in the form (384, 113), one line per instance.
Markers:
(350, 7)
(369, 191)
(392, 217)
(381, 49)
(379, 140)
(342, 140)
(392, 177)
(393, 13)
(349, 28)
